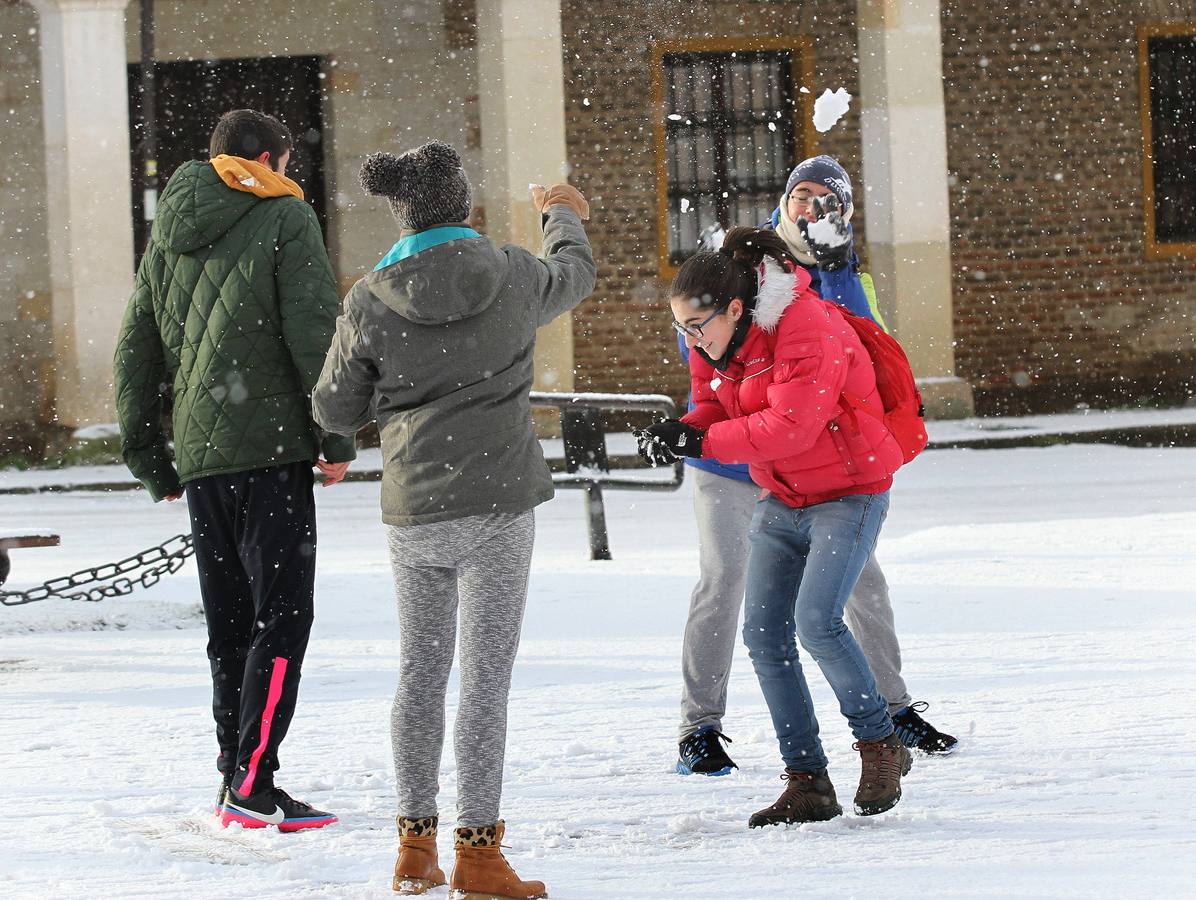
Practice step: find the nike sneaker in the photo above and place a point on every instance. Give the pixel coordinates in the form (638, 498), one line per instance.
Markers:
(272, 807)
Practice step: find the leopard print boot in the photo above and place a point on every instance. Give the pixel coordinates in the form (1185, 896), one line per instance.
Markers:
(416, 871)
(483, 873)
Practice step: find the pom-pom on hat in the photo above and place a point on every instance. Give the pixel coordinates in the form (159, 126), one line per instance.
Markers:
(425, 186)
(824, 170)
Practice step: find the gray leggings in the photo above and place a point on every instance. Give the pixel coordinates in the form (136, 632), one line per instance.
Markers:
(477, 568)
(723, 508)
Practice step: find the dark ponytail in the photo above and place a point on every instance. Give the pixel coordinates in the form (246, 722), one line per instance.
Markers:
(712, 279)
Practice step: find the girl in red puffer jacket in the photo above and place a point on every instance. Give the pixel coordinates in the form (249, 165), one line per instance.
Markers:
(770, 366)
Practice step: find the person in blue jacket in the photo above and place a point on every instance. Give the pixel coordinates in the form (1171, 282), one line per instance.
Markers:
(814, 218)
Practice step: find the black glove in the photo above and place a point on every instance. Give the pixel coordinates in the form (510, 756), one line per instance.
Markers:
(666, 442)
(832, 253)
(652, 449)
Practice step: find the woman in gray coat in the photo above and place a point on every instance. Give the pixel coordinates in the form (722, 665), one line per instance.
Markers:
(436, 344)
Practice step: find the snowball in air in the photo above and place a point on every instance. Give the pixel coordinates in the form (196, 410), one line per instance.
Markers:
(830, 108)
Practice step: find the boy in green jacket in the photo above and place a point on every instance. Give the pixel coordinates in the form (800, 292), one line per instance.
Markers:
(231, 316)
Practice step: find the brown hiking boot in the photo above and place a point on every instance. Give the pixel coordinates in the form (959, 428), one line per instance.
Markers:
(417, 871)
(808, 797)
(882, 763)
(482, 872)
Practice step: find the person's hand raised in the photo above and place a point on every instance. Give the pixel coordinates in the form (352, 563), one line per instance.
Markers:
(828, 236)
(559, 195)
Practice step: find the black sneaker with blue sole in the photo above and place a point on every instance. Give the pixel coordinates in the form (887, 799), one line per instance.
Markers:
(918, 734)
(702, 754)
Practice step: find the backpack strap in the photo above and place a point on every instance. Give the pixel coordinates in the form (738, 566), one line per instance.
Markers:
(873, 306)
(856, 403)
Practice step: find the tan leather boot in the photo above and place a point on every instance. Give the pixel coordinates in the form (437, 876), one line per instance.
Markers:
(481, 871)
(416, 871)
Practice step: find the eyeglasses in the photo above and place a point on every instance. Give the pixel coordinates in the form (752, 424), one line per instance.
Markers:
(695, 331)
(821, 203)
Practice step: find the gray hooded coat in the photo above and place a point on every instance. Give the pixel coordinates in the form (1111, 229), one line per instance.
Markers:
(438, 348)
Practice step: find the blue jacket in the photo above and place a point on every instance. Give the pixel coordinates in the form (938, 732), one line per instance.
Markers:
(738, 472)
(844, 287)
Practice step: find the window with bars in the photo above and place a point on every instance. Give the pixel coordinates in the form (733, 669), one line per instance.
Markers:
(1171, 75)
(730, 140)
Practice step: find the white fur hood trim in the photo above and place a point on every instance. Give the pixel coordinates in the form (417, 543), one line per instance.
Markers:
(778, 287)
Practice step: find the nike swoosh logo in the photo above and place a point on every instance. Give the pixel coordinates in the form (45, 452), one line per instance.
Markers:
(273, 818)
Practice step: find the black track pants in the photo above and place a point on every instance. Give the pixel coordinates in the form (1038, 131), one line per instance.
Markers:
(255, 545)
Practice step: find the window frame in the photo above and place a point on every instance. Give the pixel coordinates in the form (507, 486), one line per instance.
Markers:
(1154, 247)
(802, 63)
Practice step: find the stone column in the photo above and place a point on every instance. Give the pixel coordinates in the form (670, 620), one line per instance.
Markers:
(85, 100)
(904, 135)
(521, 93)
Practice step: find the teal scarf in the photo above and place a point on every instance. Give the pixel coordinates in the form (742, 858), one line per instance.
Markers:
(424, 240)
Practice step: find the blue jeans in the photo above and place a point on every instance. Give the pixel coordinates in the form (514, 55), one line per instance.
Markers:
(801, 571)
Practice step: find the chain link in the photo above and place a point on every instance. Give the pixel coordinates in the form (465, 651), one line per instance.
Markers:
(111, 579)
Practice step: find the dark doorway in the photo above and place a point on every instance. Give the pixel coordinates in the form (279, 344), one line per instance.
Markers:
(193, 95)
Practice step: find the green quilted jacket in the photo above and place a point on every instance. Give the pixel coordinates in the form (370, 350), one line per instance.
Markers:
(231, 316)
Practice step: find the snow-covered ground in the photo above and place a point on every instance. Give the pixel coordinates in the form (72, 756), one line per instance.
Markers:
(1045, 598)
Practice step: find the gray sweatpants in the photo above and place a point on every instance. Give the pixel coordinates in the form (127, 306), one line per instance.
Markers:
(723, 508)
(475, 568)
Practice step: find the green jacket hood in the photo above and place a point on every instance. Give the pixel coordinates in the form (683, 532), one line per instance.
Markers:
(446, 283)
(197, 208)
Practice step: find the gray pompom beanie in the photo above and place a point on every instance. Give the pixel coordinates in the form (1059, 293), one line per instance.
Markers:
(425, 186)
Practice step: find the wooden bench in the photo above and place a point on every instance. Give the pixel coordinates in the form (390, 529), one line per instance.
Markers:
(16, 540)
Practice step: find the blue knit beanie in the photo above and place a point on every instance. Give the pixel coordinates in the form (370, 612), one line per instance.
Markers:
(822, 170)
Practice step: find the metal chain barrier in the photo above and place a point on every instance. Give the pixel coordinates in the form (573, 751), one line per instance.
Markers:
(113, 579)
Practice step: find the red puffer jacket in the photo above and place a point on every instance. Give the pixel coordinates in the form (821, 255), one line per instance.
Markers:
(778, 406)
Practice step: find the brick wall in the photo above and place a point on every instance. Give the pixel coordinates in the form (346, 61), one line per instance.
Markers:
(1056, 300)
(622, 337)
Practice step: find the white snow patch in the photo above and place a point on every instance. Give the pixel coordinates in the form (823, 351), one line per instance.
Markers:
(10, 531)
(824, 232)
(689, 824)
(1031, 586)
(830, 108)
(96, 432)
